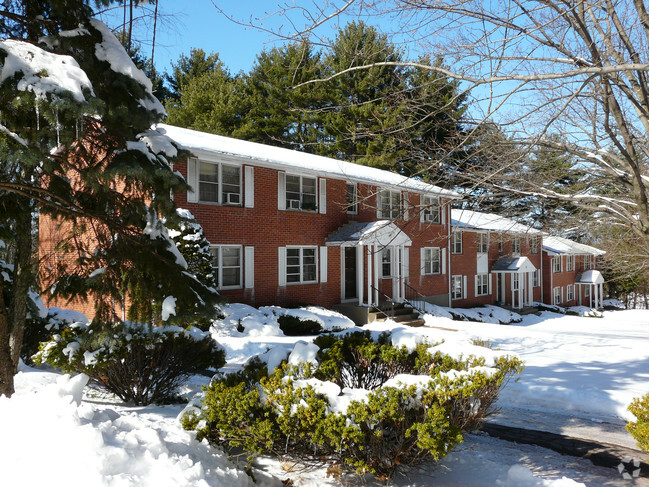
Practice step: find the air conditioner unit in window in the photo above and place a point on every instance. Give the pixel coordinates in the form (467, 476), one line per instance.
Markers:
(293, 204)
(232, 198)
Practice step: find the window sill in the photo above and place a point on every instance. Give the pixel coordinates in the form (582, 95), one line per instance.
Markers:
(212, 203)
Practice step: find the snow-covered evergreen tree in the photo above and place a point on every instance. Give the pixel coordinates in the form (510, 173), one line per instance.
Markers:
(76, 144)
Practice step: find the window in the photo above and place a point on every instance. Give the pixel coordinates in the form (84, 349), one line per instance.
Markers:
(516, 246)
(300, 193)
(516, 282)
(556, 295)
(570, 262)
(570, 292)
(556, 264)
(227, 265)
(390, 204)
(457, 287)
(386, 262)
(587, 262)
(301, 265)
(457, 242)
(432, 260)
(536, 278)
(431, 210)
(483, 243)
(482, 284)
(534, 245)
(587, 291)
(352, 198)
(219, 183)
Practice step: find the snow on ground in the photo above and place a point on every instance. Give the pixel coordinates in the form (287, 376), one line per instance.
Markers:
(580, 372)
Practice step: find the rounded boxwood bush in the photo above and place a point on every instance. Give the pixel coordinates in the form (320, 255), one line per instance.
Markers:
(136, 362)
(363, 404)
(639, 429)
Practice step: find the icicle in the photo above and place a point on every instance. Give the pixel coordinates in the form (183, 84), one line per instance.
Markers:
(58, 129)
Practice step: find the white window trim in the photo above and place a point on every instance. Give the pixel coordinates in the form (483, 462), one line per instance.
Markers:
(556, 264)
(457, 235)
(516, 282)
(481, 236)
(536, 279)
(302, 177)
(219, 269)
(587, 262)
(517, 246)
(432, 250)
(478, 284)
(317, 263)
(556, 300)
(462, 280)
(426, 215)
(352, 209)
(570, 292)
(197, 178)
(534, 244)
(570, 263)
(380, 195)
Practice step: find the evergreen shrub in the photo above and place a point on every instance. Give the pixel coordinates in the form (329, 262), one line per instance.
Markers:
(294, 326)
(136, 362)
(299, 410)
(639, 429)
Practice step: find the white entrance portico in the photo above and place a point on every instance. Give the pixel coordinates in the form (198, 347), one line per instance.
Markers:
(362, 244)
(591, 286)
(521, 285)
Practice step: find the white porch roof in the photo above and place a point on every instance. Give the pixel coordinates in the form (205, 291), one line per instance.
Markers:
(590, 277)
(382, 233)
(519, 265)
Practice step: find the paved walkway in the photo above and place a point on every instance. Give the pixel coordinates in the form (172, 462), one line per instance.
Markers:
(599, 453)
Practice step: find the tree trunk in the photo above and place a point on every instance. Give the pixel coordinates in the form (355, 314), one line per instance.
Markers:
(6, 365)
(23, 276)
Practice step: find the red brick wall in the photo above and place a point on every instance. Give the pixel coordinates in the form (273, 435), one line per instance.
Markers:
(267, 228)
(553, 279)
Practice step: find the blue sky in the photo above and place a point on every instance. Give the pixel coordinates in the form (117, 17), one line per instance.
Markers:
(197, 23)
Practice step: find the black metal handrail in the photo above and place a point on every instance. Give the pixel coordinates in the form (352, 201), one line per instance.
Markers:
(411, 294)
(387, 299)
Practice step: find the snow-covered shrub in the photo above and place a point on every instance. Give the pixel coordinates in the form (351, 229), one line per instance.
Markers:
(137, 363)
(41, 326)
(361, 404)
(639, 429)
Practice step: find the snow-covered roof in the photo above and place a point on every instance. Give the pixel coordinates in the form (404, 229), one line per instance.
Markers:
(560, 245)
(382, 233)
(288, 159)
(488, 221)
(513, 264)
(590, 277)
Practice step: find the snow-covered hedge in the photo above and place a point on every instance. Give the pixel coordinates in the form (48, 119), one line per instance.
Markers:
(136, 362)
(355, 401)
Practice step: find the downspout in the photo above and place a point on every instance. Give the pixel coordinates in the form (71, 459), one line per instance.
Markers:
(448, 252)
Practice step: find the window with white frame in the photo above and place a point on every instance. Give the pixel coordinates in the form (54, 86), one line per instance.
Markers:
(570, 292)
(570, 262)
(219, 183)
(483, 243)
(301, 265)
(457, 242)
(516, 246)
(556, 263)
(227, 265)
(534, 244)
(482, 284)
(431, 209)
(390, 204)
(587, 291)
(432, 263)
(587, 262)
(536, 278)
(516, 281)
(300, 193)
(457, 286)
(386, 262)
(556, 295)
(352, 198)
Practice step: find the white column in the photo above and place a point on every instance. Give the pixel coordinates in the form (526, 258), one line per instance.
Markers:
(590, 295)
(530, 285)
(601, 294)
(376, 274)
(369, 275)
(595, 289)
(402, 279)
(359, 273)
